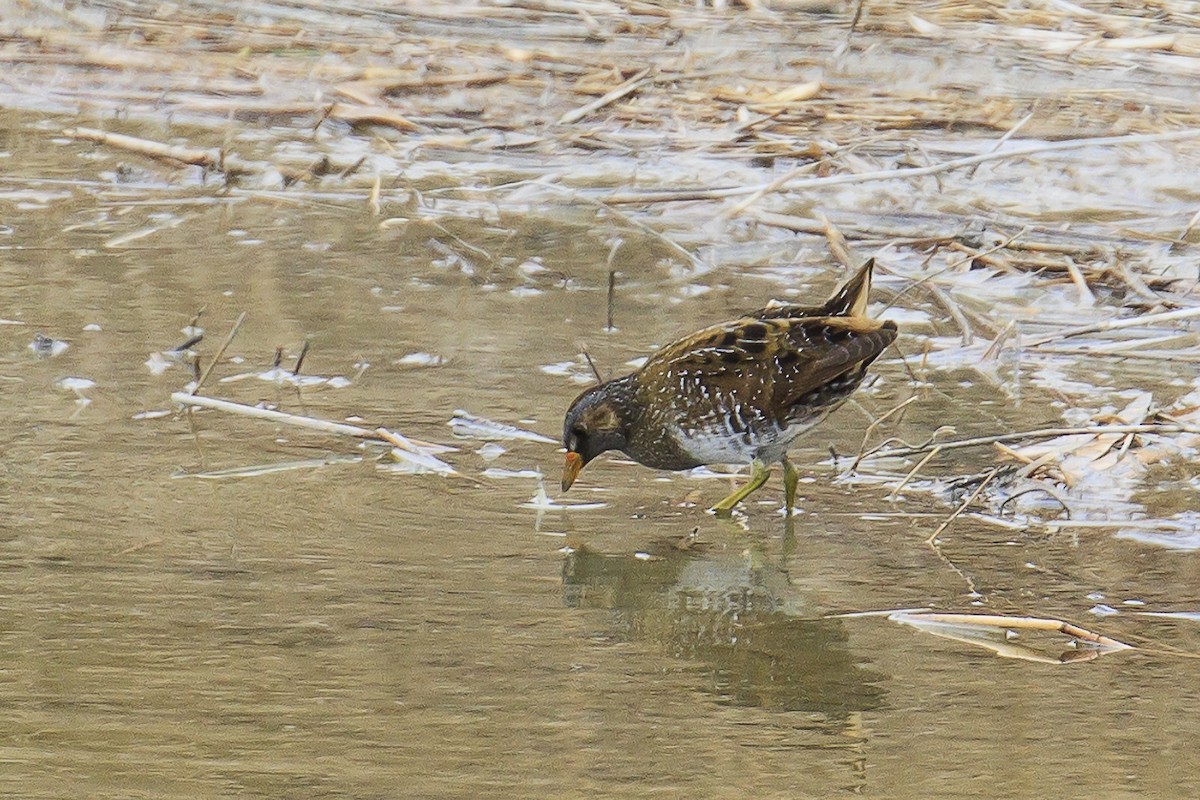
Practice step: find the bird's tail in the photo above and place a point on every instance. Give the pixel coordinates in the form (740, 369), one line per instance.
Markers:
(851, 299)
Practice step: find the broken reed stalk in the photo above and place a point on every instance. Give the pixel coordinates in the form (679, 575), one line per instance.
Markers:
(837, 243)
(1025, 623)
(767, 189)
(312, 423)
(956, 314)
(220, 352)
(300, 358)
(862, 450)
(628, 87)
(932, 540)
(1043, 433)
(1175, 356)
(932, 454)
(215, 159)
(612, 296)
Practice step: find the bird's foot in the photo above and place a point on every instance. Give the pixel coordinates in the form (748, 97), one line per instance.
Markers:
(758, 476)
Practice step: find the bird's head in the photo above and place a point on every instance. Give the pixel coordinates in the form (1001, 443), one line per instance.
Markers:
(595, 422)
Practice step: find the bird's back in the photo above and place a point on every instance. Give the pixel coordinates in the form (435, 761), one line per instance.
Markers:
(746, 388)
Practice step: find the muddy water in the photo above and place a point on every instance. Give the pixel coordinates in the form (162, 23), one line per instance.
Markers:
(350, 631)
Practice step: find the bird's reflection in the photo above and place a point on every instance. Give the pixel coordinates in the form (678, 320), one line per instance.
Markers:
(736, 612)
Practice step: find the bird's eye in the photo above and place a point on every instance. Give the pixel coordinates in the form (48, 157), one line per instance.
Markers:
(578, 432)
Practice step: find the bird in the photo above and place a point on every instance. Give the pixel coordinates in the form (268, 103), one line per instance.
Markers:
(736, 392)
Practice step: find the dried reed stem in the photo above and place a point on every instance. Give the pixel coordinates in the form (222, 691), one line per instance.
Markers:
(1024, 623)
(220, 352)
(311, 423)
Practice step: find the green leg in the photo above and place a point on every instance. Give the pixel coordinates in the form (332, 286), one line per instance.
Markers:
(758, 476)
(791, 477)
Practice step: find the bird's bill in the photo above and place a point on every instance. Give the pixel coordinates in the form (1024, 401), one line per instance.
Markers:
(571, 468)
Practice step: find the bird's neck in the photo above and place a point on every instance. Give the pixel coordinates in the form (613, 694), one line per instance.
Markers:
(622, 393)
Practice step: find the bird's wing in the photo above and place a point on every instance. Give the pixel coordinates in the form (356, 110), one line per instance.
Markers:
(827, 355)
(772, 363)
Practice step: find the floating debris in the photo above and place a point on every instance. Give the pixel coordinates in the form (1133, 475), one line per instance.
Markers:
(398, 441)
(491, 451)
(1188, 616)
(420, 360)
(1179, 532)
(410, 463)
(577, 371)
(721, 472)
(998, 634)
(470, 426)
(559, 368)
(542, 502)
(160, 361)
(47, 347)
(76, 385)
(158, 414)
(285, 377)
(504, 474)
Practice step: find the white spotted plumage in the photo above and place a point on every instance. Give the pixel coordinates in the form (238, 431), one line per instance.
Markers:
(737, 392)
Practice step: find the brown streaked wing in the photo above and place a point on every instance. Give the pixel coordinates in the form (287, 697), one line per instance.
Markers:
(712, 355)
(732, 360)
(818, 350)
(775, 361)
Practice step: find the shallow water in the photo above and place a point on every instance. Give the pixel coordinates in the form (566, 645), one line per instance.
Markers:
(348, 631)
(332, 627)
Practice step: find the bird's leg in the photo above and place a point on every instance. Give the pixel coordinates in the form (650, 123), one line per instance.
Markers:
(791, 477)
(758, 476)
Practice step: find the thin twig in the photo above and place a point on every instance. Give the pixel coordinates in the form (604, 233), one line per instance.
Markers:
(220, 352)
(765, 189)
(692, 259)
(312, 423)
(588, 357)
(871, 429)
(858, 10)
(1003, 139)
(1035, 490)
(932, 540)
(612, 294)
(616, 94)
(982, 253)
(300, 358)
(912, 472)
